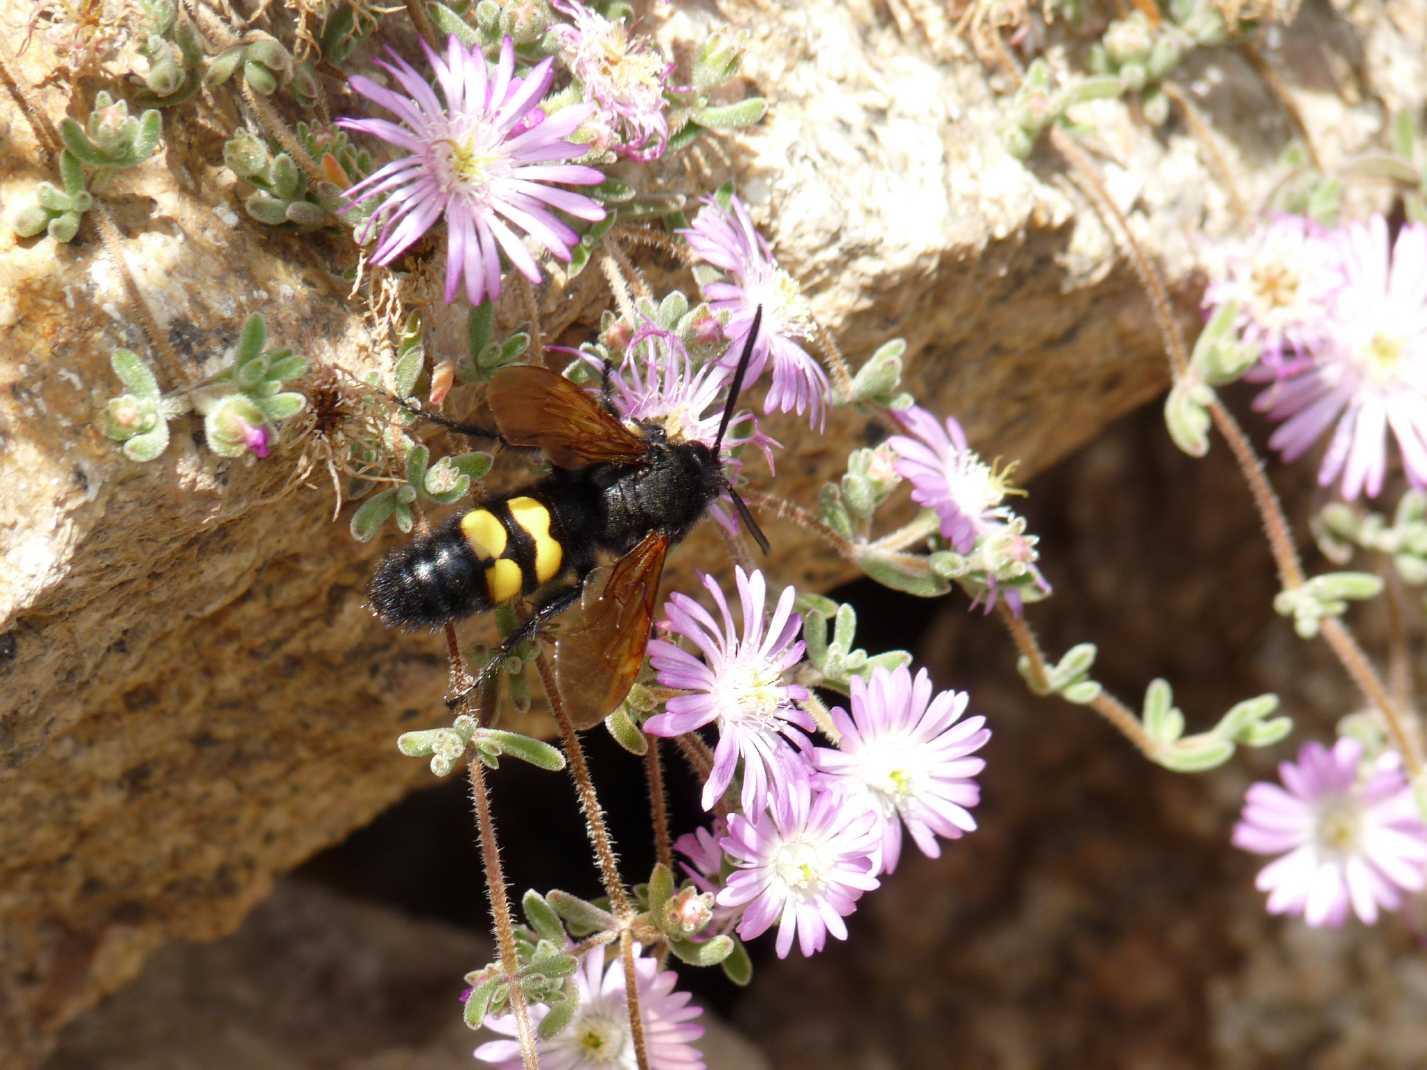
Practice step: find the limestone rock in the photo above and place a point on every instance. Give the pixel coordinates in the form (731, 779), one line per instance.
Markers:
(195, 698)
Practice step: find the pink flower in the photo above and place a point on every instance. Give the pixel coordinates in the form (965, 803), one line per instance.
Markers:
(484, 160)
(1348, 834)
(905, 755)
(1283, 278)
(726, 239)
(598, 1037)
(257, 438)
(949, 478)
(739, 685)
(804, 864)
(1369, 373)
(623, 75)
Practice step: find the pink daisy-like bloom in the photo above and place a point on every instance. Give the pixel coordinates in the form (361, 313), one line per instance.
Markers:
(599, 1038)
(804, 863)
(485, 159)
(1369, 374)
(1283, 278)
(739, 685)
(905, 755)
(726, 239)
(625, 77)
(658, 382)
(949, 478)
(1349, 836)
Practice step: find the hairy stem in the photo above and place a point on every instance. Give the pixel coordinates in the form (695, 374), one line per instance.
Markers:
(500, 912)
(1400, 680)
(1370, 684)
(1275, 85)
(111, 239)
(1204, 135)
(1120, 716)
(658, 803)
(631, 993)
(532, 312)
(585, 791)
(626, 266)
(833, 358)
(619, 289)
(273, 123)
(45, 133)
(786, 510)
(422, 21)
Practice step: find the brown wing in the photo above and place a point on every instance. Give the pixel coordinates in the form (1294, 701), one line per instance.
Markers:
(535, 406)
(599, 646)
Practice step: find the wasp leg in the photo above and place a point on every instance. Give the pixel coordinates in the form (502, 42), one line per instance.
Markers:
(486, 679)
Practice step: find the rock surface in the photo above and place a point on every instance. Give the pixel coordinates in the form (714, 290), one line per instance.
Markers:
(195, 698)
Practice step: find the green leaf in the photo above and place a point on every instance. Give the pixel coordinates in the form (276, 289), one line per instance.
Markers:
(582, 916)
(478, 328)
(738, 967)
(899, 576)
(1196, 754)
(283, 406)
(448, 22)
(151, 128)
(536, 752)
(687, 135)
(372, 514)
(661, 890)
(71, 172)
(136, 376)
(513, 347)
(149, 445)
(1162, 721)
(286, 366)
(626, 733)
(613, 191)
(1082, 693)
(478, 1003)
(1186, 416)
(408, 370)
(541, 917)
(560, 1014)
(251, 339)
(731, 116)
(709, 953)
(473, 465)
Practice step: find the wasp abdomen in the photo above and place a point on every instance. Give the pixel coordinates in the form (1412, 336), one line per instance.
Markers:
(476, 560)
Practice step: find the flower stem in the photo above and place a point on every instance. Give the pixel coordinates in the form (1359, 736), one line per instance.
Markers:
(1275, 85)
(920, 529)
(585, 791)
(1399, 661)
(110, 238)
(619, 289)
(783, 509)
(417, 10)
(500, 913)
(1194, 119)
(273, 123)
(627, 268)
(658, 803)
(631, 993)
(1368, 681)
(1105, 704)
(532, 311)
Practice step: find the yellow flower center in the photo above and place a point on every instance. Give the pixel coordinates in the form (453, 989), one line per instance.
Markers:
(599, 1040)
(1338, 827)
(469, 167)
(1275, 284)
(1382, 355)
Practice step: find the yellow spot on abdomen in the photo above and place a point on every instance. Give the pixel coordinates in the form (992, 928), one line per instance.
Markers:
(484, 532)
(503, 580)
(535, 519)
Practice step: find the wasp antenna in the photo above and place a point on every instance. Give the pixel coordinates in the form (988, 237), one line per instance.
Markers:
(749, 524)
(737, 388)
(471, 430)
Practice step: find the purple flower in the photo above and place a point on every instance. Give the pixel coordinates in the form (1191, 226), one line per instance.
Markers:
(1369, 374)
(804, 863)
(658, 382)
(1348, 832)
(949, 478)
(703, 863)
(739, 684)
(256, 437)
(485, 160)
(1283, 278)
(726, 239)
(623, 75)
(599, 1038)
(905, 755)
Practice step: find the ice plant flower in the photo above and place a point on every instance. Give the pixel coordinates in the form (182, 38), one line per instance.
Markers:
(738, 685)
(624, 76)
(1348, 834)
(1283, 278)
(703, 863)
(1369, 374)
(599, 1038)
(485, 159)
(726, 239)
(658, 382)
(949, 478)
(907, 757)
(803, 863)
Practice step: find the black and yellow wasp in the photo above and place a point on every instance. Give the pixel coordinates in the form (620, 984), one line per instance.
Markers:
(612, 490)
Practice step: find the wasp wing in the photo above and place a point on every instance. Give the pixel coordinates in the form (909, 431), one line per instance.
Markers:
(534, 406)
(599, 646)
